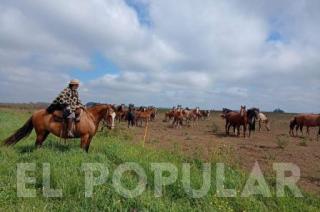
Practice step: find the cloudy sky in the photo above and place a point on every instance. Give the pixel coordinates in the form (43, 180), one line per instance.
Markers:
(207, 53)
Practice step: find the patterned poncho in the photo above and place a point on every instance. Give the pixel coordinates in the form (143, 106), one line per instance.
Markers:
(68, 97)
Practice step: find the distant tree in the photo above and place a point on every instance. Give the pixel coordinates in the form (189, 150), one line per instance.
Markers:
(91, 104)
(278, 110)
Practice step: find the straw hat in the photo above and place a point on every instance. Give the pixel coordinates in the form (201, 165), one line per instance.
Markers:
(74, 82)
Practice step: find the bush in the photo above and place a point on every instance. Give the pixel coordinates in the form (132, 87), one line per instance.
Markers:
(215, 128)
(282, 141)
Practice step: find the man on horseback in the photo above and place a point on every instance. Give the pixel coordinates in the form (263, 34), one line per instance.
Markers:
(69, 103)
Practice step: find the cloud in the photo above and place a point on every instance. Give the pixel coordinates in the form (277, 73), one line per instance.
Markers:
(208, 53)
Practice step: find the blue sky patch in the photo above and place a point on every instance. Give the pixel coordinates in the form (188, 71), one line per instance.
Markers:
(141, 10)
(274, 36)
(101, 66)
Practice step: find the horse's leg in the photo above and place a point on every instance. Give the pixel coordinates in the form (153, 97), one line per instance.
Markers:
(301, 129)
(85, 142)
(229, 125)
(88, 144)
(308, 131)
(245, 130)
(41, 137)
(238, 128)
(297, 127)
(259, 125)
(268, 125)
(226, 128)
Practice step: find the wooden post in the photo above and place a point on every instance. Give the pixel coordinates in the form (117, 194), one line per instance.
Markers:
(145, 133)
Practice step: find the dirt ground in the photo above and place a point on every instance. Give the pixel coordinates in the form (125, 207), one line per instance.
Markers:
(208, 140)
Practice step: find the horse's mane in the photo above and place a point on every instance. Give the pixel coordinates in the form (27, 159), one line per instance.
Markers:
(95, 107)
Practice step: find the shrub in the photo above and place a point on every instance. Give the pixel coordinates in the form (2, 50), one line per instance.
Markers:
(282, 141)
(215, 128)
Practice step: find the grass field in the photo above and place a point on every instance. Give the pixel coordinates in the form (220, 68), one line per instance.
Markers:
(114, 149)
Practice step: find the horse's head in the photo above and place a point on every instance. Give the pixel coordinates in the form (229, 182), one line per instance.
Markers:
(109, 118)
(243, 110)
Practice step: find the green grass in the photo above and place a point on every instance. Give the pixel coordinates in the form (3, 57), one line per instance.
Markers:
(112, 150)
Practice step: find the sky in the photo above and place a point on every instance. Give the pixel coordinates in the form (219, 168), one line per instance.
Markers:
(208, 53)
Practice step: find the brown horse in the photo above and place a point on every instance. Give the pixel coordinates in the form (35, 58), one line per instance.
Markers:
(191, 116)
(121, 112)
(153, 113)
(109, 120)
(143, 114)
(237, 119)
(44, 123)
(177, 118)
(204, 114)
(308, 120)
(169, 115)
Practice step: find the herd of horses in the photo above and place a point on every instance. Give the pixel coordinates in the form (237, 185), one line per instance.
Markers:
(248, 118)
(189, 117)
(135, 116)
(45, 123)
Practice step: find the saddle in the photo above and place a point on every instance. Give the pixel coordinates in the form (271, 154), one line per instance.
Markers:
(58, 116)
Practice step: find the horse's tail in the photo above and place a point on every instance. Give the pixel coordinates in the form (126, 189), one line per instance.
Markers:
(21, 133)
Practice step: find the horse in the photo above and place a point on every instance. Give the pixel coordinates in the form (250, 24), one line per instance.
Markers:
(263, 119)
(153, 113)
(121, 112)
(292, 124)
(197, 113)
(131, 117)
(109, 120)
(45, 123)
(143, 114)
(223, 116)
(252, 114)
(237, 119)
(190, 116)
(205, 114)
(177, 118)
(308, 120)
(169, 115)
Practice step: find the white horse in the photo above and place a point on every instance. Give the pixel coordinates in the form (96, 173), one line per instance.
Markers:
(262, 118)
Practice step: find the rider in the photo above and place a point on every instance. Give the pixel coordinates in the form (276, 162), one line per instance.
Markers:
(68, 101)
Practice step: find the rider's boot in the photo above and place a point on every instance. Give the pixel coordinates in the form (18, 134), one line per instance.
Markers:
(69, 127)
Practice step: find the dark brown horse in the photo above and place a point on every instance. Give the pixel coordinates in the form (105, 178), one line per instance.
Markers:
(169, 115)
(237, 119)
(121, 112)
(45, 123)
(308, 120)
